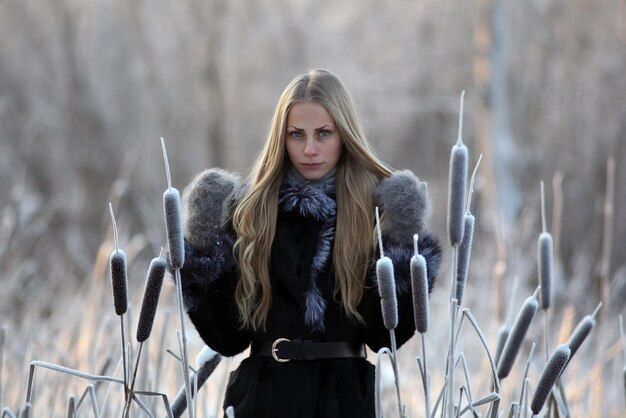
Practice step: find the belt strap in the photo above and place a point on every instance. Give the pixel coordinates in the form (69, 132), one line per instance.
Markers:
(283, 350)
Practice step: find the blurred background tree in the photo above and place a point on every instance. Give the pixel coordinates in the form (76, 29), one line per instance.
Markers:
(87, 87)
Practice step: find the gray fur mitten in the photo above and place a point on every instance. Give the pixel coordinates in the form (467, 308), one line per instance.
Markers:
(206, 201)
(403, 201)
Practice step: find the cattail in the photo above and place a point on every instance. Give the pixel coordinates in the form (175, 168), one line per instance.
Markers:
(503, 335)
(518, 332)
(582, 330)
(206, 362)
(119, 281)
(71, 406)
(544, 258)
(151, 293)
(174, 227)
(173, 218)
(387, 291)
(549, 376)
(419, 284)
(119, 276)
(465, 251)
(545, 268)
(456, 185)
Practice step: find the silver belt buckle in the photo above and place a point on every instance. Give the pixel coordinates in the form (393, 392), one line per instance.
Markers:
(275, 350)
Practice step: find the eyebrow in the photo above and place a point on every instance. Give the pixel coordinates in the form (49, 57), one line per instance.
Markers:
(326, 126)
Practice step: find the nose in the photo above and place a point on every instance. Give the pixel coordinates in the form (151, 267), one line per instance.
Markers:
(309, 148)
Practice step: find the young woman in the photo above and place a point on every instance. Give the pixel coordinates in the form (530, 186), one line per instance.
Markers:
(285, 262)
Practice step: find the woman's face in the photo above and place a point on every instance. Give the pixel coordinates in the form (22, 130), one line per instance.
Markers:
(312, 141)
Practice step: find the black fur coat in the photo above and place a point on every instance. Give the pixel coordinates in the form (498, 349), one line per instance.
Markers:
(303, 305)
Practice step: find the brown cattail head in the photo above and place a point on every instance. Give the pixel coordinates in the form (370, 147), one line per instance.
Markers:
(119, 281)
(174, 227)
(544, 253)
(503, 335)
(387, 291)
(549, 376)
(456, 193)
(151, 293)
(419, 285)
(518, 332)
(465, 252)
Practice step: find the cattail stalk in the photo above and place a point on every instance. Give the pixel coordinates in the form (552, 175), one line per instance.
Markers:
(623, 335)
(607, 231)
(465, 248)
(175, 240)
(544, 261)
(119, 284)
(518, 332)
(152, 291)
(549, 376)
(457, 180)
(530, 356)
(389, 302)
(456, 184)
(419, 285)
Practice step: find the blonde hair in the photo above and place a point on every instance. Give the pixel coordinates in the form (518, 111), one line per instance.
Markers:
(254, 217)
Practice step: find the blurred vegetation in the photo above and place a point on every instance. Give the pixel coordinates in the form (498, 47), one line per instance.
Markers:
(87, 87)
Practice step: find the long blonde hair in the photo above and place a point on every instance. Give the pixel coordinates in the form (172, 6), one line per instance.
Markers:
(254, 217)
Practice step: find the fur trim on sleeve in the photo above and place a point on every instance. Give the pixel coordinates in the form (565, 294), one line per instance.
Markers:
(206, 201)
(201, 271)
(403, 200)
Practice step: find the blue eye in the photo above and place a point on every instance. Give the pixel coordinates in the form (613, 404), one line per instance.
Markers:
(325, 132)
(296, 134)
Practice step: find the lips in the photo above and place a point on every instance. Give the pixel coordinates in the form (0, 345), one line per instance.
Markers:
(311, 165)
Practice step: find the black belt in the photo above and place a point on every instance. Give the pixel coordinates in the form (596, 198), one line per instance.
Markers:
(283, 350)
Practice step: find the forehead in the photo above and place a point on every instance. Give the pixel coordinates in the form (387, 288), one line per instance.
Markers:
(309, 112)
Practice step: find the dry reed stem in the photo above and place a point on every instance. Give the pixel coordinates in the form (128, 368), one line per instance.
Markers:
(607, 235)
(557, 210)
(2, 340)
(623, 337)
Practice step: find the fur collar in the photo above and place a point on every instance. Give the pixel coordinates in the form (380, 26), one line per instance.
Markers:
(309, 200)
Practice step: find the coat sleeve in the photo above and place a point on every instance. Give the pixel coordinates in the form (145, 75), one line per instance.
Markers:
(403, 202)
(208, 282)
(210, 274)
